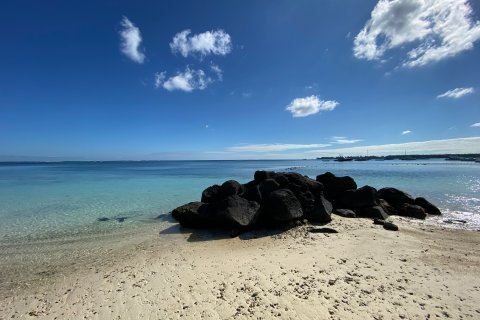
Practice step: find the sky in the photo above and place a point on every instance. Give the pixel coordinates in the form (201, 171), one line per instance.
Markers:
(146, 80)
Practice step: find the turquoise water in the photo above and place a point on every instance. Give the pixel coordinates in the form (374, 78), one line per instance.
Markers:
(47, 200)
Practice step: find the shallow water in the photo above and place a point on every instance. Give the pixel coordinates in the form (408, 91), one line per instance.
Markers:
(49, 200)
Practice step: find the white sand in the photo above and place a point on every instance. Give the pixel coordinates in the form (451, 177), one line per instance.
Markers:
(363, 272)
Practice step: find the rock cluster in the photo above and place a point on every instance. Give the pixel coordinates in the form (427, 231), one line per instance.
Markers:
(279, 198)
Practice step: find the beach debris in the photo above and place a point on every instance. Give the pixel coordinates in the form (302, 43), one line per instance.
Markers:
(322, 230)
(390, 226)
(275, 199)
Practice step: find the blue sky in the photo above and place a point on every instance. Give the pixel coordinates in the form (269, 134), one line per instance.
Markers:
(238, 79)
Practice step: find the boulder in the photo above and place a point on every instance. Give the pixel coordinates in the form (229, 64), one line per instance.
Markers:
(395, 197)
(261, 175)
(194, 215)
(237, 212)
(346, 213)
(230, 188)
(315, 187)
(282, 180)
(366, 196)
(211, 194)
(387, 207)
(322, 211)
(252, 193)
(282, 206)
(334, 186)
(427, 206)
(304, 196)
(412, 211)
(375, 212)
(267, 186)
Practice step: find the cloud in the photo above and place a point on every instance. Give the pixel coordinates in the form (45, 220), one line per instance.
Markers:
(131, 40)
(437, 29)
(456, 93)
(406, 132)
(274, 147)
(159, 79)
(344, 140)
(303, 107)
(475, 125)
(187, 80)
(218, 72)
(216, 42)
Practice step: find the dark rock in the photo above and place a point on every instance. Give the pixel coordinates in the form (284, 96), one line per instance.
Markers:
(313, 186)
(267, 186)
(211, 194)
(387, 207)
(230, 188)
(322, 230)
(334, 186)
(360, 198)
(102, 219)
(261, 175)
(304, 196)
(427, 206)
(322, 211)
(390, 226)
(237, 212)
(346, 213)
(412, 211)
(395, 197)
(282, 180)
(194, 215)
(121, 219)
(282, 206)
(379, 221)
(252, 193)
(375, 212)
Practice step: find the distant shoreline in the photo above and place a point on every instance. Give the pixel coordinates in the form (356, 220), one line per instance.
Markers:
(447, 156)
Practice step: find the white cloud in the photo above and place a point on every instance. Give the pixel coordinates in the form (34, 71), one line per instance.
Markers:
(274, 147)
(218, 72)
(216, 42)
(406, 132)
(131, 40)
(456, 93)
(438, 29)
(475, 125)
(344, 140)
(187, 80)
(303, 107)
(159, 78)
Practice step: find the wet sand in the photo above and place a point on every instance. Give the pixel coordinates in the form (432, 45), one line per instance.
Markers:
(163, 272)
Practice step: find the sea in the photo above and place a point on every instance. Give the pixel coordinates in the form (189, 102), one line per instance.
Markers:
(69, 199)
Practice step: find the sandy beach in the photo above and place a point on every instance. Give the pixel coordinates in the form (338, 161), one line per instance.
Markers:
(163, 272)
